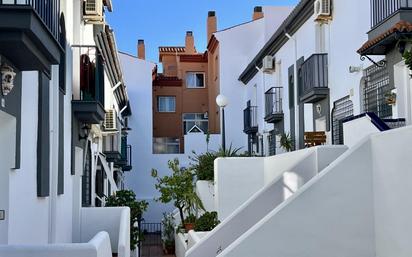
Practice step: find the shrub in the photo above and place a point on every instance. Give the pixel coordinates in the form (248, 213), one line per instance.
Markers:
(127, 198)
(207, 222)
(178, 188)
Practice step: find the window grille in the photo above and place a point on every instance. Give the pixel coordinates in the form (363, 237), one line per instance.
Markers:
(342, 109)
(375, 88)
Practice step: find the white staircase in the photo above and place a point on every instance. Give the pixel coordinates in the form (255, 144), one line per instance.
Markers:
(360, 205)
(247, 189)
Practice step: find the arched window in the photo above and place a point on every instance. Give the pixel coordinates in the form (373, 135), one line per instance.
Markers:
(342, 108)
(376, 86)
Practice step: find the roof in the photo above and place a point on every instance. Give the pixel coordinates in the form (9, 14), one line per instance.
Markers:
(163, 81)
(172, 49)
(300, 14)
(400, 27)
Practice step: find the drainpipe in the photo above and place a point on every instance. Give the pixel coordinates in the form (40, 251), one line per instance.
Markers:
(295, 82)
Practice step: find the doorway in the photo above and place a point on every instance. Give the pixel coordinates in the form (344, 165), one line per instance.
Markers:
(7, 160)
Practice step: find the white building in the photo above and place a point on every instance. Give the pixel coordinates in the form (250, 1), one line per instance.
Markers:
(318, 79)
(59, 153)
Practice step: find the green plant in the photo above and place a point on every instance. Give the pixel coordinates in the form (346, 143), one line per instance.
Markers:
(229, 152)
(191, 218)
(137, 208)
(286, 142)
(407, 56)
(207, 222)
(204, 165)
(168, 233)
(178, 188)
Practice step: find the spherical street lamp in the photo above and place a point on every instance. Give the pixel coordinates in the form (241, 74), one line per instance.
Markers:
(222, 102)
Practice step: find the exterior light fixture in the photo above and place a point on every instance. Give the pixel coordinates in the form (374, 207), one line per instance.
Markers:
(7, 79)
(86, 131)
(222, 102)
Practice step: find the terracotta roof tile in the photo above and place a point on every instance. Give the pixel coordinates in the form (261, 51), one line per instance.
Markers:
(402, 26)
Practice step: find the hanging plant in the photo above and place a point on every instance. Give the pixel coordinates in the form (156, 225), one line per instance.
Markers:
(390, 98)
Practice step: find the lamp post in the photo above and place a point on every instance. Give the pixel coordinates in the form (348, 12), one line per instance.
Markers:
(222, 102)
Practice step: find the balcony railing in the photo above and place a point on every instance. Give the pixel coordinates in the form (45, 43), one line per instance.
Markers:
(47, 10)
(273, 106)
(126, 156)
(383, 9)
(250, 120)
(314, 78)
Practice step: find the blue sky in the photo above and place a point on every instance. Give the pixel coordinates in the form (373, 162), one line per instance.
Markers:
(165, 22)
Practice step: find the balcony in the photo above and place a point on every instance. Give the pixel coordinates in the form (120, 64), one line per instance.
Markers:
(250, 120)
(125, 162)
(112, 147)
(273, 106)
(29, 33)
(88, 100)
(314, 84)
(386, 13)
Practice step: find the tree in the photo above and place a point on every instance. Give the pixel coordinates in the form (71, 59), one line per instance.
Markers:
(179, 189)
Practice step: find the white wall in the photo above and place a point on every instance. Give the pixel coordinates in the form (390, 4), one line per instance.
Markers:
(238, 46)
(236, 180)
(339, 198)
(206, 192)
(392, 178)
(356, 130)
(355, 207)
(288, 173)
(7, 157)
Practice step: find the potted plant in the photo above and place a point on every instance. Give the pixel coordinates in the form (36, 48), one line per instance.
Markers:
(207, 222)
(127, 198)
(168, 233)
(286, 142)
(178, 188)
(390, 98)
(189, 222)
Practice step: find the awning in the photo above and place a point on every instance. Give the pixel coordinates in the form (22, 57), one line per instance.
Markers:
(383, 43)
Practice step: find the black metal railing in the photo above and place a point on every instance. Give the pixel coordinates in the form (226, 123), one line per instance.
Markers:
(383, 9)
(48, 11)
(126, 153)
(273, 99)
(250, 118)
(314, 73)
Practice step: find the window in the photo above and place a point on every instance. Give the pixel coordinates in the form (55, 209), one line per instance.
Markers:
(342, 108)
(166, 104)
(195, 119)
(166, 145)
(195, 80)
(377, 85)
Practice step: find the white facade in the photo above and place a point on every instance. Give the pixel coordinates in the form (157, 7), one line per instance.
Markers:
(237, 47)
(31, 221)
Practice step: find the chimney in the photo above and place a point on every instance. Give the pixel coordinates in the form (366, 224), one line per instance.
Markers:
(257, 12)
(190, 43)
(211, 24)
(141, 49)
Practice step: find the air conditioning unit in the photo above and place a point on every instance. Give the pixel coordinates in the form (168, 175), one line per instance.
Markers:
(268, 64)
(93, 10)
(323, 10)
(110, 120)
